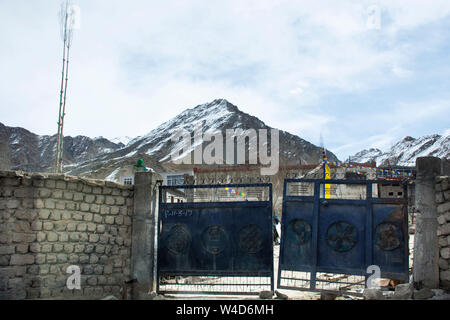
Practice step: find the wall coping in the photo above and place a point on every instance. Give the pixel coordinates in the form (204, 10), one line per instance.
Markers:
(63, 177)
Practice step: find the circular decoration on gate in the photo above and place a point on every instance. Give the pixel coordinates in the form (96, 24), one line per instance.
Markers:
(214, 239)
(178, 240)
(388, 236)
(301, 230)
(250, 238)
(342, 236)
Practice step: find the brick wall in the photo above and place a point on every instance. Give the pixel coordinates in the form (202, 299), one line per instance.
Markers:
(443, 211)
(49, 222)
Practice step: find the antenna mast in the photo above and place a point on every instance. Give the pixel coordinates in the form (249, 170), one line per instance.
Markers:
(67, 20)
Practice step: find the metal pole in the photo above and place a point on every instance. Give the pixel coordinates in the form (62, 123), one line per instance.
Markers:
(58, 138)
(64, 111)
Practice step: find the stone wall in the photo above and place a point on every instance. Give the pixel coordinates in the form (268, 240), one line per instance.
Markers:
(49, 222)
(443, 211)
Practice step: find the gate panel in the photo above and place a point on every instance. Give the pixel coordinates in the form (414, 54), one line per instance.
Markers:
(341, 238)
(218, 242)
(327, 244)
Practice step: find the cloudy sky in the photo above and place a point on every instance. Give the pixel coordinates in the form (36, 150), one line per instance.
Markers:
(361, 73)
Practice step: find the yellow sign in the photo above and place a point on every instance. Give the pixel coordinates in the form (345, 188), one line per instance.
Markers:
(327, 193)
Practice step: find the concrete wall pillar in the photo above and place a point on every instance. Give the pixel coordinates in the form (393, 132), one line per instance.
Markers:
(426, 247)
(142, 247)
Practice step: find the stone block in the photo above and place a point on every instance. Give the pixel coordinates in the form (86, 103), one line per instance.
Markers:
(78, 196)
(62, 258)
(7, 249)
(21, 259)
(84, 258)
(91, 227)
(403, 291)
(115, 210)
(79, 248)
(444, 229)
(12, 203)
(58, 247)
(95, 208)
(97, 190)
(423, 294)
(49, 204)
(45, 193)
(71, 226)
(99, 199)
(109, 200)
(445, 253)
(68, 195)
(98, 218)
(89, 198)
(443, 208)
(89, 248)
(22, 248)
(48, 226)
(39, 203)
(69, 248)
(24, 237)
(35, 248)
(441, 219)
(60, 205)
(41, 236)
(22, 226)
(104, 210)
(82, 227)
(120, 201)
(84, 207)
(444, 275)
(73, 258)
(74, 236)
(36, 225)
(119, 220)
(100, 249)
(60, 226)
(109, 220)
(93, 238)
(61, 184)
(52, 236)
(72, 186)
(57, 194)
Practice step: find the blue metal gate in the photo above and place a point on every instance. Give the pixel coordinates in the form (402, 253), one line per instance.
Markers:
(215, 239)
(328, 244)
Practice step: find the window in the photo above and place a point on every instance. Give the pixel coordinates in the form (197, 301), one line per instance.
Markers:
(127, 180)
(175, 180)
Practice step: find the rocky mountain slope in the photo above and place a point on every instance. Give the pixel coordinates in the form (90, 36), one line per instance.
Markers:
(406, 151)
(99, 157)
(31, 152)
(156, 146)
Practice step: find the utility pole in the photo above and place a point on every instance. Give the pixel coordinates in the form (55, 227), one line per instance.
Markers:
(67, 21)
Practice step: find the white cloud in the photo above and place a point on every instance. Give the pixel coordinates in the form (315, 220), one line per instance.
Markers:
(134, 65)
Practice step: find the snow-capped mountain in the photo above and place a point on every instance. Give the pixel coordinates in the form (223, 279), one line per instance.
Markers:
(406, 151)
(156, 146)
(86, 156)
(121, 141)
